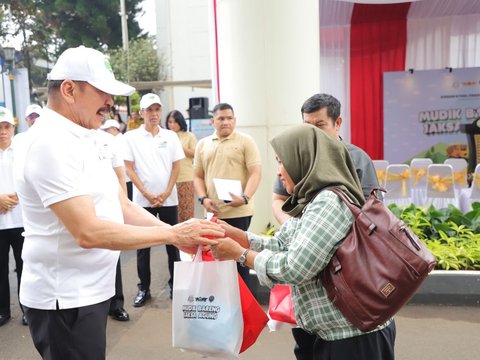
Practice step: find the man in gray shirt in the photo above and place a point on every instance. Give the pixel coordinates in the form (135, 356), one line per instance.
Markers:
(323, 111)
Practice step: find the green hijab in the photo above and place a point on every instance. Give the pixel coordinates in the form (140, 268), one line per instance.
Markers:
(314, 160)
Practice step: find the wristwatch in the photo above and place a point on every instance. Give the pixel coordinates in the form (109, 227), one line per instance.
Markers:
(243, 258)
(201, 199)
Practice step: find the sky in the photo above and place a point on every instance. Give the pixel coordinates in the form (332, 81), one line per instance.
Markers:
(148, 20)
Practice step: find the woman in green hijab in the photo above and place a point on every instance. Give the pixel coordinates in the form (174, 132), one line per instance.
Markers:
(310, 161)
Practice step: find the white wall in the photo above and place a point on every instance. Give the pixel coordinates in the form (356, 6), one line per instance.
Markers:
(268, 65)
(183, 35)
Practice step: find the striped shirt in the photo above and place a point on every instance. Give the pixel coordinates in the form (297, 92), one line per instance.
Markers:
(297, 253)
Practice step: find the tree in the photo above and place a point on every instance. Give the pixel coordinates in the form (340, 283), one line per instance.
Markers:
(143, 65)
(143, 62)
(93, 23)
(3, 23)
(49, 27)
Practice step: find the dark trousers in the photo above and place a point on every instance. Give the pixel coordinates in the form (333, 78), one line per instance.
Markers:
(304, 342)
(116, 301)
(130, 190)
(169, 215)
(378, 345)
(73, 334)
(9, 238)
(242, 223)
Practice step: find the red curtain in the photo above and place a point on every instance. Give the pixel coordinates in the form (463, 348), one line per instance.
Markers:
(378, 38)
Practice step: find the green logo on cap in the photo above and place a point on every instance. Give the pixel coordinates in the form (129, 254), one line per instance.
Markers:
(108, 66)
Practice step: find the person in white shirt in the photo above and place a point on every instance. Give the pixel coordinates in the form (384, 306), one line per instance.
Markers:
(152, 161)
(76, 218)
(112, 127)
(32, 113)
(109, 134)
(109, 148)
(11, 224)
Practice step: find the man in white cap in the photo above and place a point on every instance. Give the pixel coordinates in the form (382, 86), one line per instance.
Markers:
(11, 223)
(111, 126)
(32, 113)
(110, 147)
(113, 148)
(75, 214)
(152, 161)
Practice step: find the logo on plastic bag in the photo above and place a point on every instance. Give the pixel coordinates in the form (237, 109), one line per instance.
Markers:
(206, 312)
(192, 298)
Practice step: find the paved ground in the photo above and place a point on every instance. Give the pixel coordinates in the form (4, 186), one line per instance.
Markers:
(423, 332)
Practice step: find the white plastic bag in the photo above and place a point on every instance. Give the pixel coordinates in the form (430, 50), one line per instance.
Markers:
(206, 308)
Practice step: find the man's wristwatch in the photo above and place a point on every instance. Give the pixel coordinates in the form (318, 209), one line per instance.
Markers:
(243, 258)
(201, 199)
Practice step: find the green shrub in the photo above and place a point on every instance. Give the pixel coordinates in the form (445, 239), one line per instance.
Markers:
(451, 235)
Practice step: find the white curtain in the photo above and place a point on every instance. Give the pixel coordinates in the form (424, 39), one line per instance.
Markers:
(443, 33)
(465, 41)
(335, 55)
(428, 43)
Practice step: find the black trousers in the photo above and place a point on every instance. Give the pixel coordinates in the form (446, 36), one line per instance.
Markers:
(378, 345)
(169, 215)
(116, 301)
(73, 334)
(130, 190)
(9, 238)
(242, 223)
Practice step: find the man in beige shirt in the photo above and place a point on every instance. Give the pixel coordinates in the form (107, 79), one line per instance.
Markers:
(230, 155)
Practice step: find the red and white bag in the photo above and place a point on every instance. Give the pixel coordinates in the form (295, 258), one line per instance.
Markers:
(224, 282)
(206, 309)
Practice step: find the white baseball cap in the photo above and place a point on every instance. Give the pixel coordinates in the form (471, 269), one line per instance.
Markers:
(33, 109)
(90, 65)
(6, 116)
(110, 123)
(148, 100)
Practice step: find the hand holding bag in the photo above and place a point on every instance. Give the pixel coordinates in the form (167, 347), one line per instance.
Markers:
(206, 309)
(254, 318)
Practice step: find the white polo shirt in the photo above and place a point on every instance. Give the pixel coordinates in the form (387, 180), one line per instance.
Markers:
(109, 148)
(13, 218)
(60, 161)
(121, 145)
(153, 157)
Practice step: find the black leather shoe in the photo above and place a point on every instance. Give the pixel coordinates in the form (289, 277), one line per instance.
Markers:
(141, 298)
(24, 320)
(4, 319)
(119, 314)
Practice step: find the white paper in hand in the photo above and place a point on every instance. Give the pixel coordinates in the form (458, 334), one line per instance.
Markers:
(226, 186)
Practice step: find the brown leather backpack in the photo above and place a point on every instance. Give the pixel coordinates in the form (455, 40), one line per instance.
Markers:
(378, 267)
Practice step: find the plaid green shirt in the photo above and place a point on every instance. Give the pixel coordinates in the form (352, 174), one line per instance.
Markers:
(296, 255)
